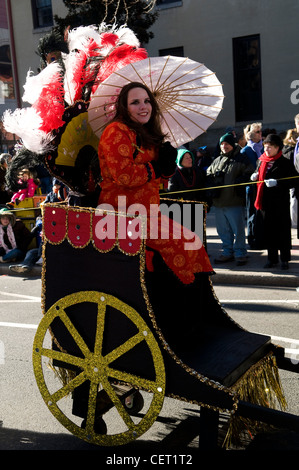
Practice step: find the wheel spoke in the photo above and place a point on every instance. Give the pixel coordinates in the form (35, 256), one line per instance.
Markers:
(118, 404)
(100, 329)
(74, 332)
(69, 387)
(61, 356)
(91, 406)
(150, 385)
(124, 348)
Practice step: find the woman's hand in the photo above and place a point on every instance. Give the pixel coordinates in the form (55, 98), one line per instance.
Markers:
(254, 176)
(166, 164)
(270, 183)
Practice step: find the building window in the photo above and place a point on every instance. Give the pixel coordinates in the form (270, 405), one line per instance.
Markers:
(42, 13)
(247, 78)
(6, 75)
(176, 51)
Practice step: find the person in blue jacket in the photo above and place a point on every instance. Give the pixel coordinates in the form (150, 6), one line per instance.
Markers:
(253, 150)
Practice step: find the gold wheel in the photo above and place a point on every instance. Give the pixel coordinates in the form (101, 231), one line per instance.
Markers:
(97, 368)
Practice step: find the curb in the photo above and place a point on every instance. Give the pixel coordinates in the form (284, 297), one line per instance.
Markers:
(36, 271)
(255, 278)
(221, 276)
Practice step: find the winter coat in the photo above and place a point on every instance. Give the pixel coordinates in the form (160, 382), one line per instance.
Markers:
(22, 235)
(251, 154)
(276, 205)
(185, 179)
(288, 153)
(29, 191)
(228, 170)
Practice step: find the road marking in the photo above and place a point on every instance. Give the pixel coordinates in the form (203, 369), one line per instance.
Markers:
(19, 301)
(22, 296)
(247, 301)
(294, 352)
(18, 325)
(285, 340)
(275, 338)
(30, 298)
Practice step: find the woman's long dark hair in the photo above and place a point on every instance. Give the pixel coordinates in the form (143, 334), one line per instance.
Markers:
(149, 133)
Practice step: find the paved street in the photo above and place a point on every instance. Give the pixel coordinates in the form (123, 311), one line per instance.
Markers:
(259, 301)
(271, 311)
(27, 422)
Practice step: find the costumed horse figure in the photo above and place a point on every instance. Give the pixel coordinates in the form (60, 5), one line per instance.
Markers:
(111, 328)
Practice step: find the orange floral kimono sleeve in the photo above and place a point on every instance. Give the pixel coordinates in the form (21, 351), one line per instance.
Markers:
(134, 178)
(117, 148)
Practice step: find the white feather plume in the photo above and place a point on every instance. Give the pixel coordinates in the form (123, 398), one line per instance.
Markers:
(35, 83)
(25, 123)
(68, 83)
(79, 37)
(126, 36)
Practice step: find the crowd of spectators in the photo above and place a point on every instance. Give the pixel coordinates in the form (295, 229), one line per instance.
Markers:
(248, 211)
(230, 178)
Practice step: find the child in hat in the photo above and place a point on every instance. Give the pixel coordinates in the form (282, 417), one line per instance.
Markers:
(14, 237)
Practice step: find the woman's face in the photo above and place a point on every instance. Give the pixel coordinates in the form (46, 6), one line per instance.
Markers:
(257, 136)
(187, 161)
(5, 220)
(139, 105)
(270, 150)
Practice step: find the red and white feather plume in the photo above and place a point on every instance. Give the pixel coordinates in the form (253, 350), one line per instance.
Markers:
(94, 53)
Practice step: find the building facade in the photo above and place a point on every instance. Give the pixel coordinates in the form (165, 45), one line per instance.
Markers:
(22, 24)
(250, 45)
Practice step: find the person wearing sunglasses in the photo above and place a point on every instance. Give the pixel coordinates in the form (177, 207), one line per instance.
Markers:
(253, 149)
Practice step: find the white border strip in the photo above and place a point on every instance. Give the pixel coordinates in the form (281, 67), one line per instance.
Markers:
(18, 325)
(22, 296)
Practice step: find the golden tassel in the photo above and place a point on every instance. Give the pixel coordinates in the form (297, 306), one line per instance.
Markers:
(64, 375)
(260, 385)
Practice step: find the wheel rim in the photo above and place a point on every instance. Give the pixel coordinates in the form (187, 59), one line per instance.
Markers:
(97, 368)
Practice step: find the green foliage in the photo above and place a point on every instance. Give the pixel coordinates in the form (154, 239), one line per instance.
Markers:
(136, 14)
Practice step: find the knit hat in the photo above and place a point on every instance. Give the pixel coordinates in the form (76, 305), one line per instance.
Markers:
(180, 156)
(274, 139)
(6, 212)
(202, 149)
(229, 138)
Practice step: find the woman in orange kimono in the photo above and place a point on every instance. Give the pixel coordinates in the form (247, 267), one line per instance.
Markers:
(133, 158)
